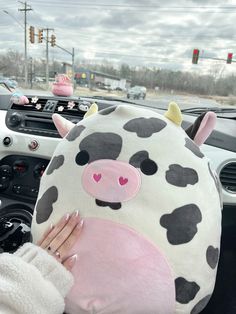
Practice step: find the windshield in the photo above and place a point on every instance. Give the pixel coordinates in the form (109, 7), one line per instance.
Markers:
(181, 51)
(4, 90)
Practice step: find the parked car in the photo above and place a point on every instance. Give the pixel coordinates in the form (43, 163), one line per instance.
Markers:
(137, 92)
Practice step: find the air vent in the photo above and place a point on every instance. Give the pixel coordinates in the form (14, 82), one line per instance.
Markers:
(228, 177)
(37, 106)
(70, 108)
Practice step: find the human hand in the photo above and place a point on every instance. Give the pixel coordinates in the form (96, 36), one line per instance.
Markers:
(59, 239)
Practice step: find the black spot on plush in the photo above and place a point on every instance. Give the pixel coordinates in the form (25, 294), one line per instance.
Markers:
(75, 133)
(181, 176)
(55, 163)
(193, 147)
(145, 127)
(107, 111)
(212, 256)
(185, 290)
(101, 146)
(138, 157)
(201, 305)
(44, 206)
(181, 224)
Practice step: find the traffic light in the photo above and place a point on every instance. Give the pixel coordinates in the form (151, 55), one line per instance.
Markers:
(195, 56)
(31, 34)
(40, 34)
(53, 40)
(230, 57)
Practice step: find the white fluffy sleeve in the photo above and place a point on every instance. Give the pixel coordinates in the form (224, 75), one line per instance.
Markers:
(32, 282)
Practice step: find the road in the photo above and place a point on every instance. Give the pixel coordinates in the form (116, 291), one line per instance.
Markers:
(184, 102)
(158, 101)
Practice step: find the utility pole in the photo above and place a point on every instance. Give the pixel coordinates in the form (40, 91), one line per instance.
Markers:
(47, 56)
(25, 10)
(73, 66)
(31, 72)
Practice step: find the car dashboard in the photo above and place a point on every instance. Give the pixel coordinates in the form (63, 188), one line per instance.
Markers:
(28, 133)
(28, 139)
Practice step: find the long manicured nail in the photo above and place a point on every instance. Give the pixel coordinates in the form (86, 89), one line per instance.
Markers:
(72, 260)
(51, 227)
(66, 217)
(80, 224)
(76, 213)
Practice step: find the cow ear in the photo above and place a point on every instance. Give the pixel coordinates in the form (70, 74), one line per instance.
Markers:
(63, 125)
(93, 109)
(201, 129)
(174, 114)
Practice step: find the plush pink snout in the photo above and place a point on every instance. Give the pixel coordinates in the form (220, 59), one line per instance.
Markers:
(111, 180)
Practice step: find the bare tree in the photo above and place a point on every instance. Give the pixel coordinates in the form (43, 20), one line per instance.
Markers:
(11, 64)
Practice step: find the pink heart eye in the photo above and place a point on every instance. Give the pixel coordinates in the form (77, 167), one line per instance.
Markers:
(97, 177)
(123, 181)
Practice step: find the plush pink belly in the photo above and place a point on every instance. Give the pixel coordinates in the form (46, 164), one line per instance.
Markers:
(119, 271)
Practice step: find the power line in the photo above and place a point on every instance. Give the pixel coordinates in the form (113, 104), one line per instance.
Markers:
(111, 53)
(89, 35)
(100, 54)
(12, 16)
(136, 6)
(133, 8)
(157, 36)
(140, 43)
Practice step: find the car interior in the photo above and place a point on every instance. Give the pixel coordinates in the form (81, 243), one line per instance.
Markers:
(28, 138)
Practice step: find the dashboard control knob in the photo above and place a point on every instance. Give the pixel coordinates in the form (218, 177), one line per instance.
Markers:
(33, 145)
(4, 183)
(5, 171)
(17, 189)
(15, 119)
(7, 141)
(20, 167)
(39, 170)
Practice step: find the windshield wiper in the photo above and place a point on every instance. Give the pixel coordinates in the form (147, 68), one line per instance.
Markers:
(109, 98)
(204, 109)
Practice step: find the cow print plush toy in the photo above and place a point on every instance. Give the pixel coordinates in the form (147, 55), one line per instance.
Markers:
(151, 209)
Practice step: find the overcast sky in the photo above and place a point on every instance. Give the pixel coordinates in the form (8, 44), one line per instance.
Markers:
(143, 32)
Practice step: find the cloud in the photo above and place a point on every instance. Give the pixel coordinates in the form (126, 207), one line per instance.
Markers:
(120, 20)
(138, 33)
